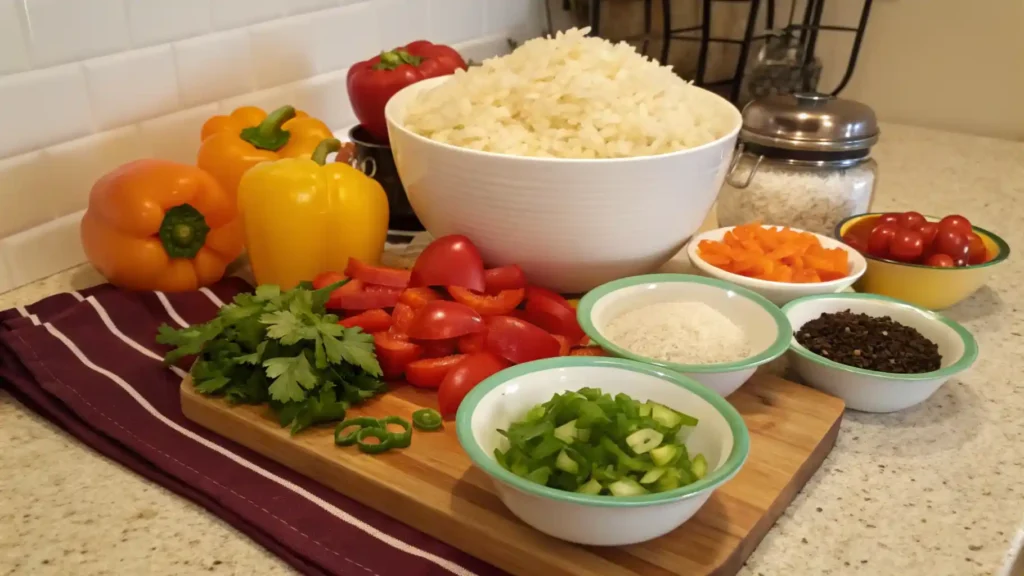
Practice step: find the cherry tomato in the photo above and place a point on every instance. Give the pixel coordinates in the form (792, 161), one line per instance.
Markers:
(881, 237)
(394, 354)
(472, 343)
(500, 304)
(976, 251)
(889, 218)
(910, 220)
(441, 320)
(552, 312)
(376, 320)
(519, 341)
(472, 370)
(960, 262)
(928, 231)
(858, 243)
(438, 348)
(588, 351)
(906, 245)
(508, 277)
(378, 275)
(950, 243)
(449, 261)
(430, 372)
(956, 223)
(939, 261)
(417, 297)
(401, 318)
(564, 347)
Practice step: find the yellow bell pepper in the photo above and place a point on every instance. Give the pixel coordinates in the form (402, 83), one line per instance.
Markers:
(302, 218)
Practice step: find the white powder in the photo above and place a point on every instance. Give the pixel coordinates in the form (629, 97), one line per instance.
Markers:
(680, 332)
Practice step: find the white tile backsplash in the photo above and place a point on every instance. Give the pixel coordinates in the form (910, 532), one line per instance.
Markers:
(157, 21)
(132, 86)
(86, 85)
(69, 30)
(13, 41)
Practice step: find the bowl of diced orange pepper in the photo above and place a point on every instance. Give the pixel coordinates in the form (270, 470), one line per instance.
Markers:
(777, 262)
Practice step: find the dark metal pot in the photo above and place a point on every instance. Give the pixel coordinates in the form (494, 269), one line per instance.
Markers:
(376, 161)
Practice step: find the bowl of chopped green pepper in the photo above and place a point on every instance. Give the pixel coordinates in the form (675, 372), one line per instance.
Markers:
(601, 451)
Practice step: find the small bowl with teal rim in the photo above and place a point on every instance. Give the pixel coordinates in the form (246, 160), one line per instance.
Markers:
(720, 435)
(764, 326)
(870, 390)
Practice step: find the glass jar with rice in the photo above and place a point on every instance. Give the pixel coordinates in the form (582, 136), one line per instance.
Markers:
(804, 161)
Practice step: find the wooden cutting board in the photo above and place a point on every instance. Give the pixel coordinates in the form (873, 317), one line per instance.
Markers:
(433, 486)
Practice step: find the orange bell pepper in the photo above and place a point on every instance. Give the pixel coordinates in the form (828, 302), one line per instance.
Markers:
(234, 143)
(160, 225)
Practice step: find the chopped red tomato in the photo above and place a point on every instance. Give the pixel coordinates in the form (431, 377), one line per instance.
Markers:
(587, 351)
(401, 318)
(376, 320)
(378, 275)
(430, 372)
(472, 370)
(441, 320)
(498, 305)
(394, 354)
(552, 312)
(472, 343)
(519, 341)
(438, 348)
(417, 297)
(509, 277)
(449, 261)
(563, 345)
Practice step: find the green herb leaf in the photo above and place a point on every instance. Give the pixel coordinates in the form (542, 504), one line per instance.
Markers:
(291, 378)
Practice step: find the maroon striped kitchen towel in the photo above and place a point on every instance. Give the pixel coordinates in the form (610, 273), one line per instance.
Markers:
(88, 362)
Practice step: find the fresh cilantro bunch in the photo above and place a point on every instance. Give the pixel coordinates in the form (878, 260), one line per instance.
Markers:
(282, 348)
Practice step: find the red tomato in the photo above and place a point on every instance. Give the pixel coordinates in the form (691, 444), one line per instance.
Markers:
(519, 341)
(910, 220)
(449, 261)
(858, 243)
(951, 243)
(881, 237)
(498, 305)
(889, 218)
(376, 320)
(401, 318)
(441, 320)
(438, 348)
(552, 312)
(472, 343)
(472, 370)
(906, 245)
(976, 251)
(564, 347)
(587, 351)
(430, 372)
(508, 277)
(394, 354)
(956, 223)
(939, 260)
(928, 230)
(379, 275)
(417, 297)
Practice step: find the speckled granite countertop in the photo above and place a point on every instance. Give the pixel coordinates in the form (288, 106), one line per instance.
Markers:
(936, 490)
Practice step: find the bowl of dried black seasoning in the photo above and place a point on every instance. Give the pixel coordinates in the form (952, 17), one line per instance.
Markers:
(876, 353)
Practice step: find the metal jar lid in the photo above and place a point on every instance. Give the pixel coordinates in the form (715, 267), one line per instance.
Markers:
(809, 123)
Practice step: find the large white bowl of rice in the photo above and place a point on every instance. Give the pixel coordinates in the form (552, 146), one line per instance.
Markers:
(577, 159)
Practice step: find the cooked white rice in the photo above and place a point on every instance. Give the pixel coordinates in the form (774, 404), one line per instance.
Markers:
(571, 96)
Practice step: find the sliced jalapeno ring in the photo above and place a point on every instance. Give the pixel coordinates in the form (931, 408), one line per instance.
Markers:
(427, 419)
(360, 424)
(386, 441)
(398, 439)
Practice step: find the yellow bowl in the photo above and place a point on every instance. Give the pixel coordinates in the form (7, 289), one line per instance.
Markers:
(926, 286)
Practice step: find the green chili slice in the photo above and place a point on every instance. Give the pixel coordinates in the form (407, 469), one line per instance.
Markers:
(364, 423)
(398, 439)
(386, 440)
(427, 419)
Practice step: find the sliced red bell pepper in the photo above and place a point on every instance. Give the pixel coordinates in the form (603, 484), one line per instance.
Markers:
(401, 318)
(504, 278)
(373, 82)
(377, 275)
(502, 303)
(563, 345)
(394, 354)
(587, 351)
(417, 297)
(376, 320)
(430, 372)
(357, 295)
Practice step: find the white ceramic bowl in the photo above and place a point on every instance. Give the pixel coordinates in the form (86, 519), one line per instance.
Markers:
(766, 327)
(779, 292)
(570, 224)
(868, 390)
(721, 436)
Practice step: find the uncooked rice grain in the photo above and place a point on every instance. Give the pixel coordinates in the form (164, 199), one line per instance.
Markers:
(680, 332)
(570, 96)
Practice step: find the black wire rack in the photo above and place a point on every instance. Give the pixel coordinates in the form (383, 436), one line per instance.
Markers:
(807, 31)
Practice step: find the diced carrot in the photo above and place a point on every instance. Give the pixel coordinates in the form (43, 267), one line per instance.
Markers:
(776, 254)
(730, 239)
(719, 260)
